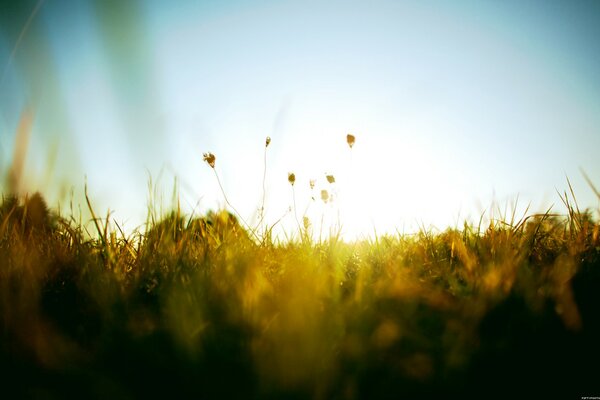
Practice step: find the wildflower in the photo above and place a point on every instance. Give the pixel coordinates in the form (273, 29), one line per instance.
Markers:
(324, 195)
(291, 178)
(210, 159)
(306, 222)
(350, 139)
(330, 178)
(267, 141)
(312, 184)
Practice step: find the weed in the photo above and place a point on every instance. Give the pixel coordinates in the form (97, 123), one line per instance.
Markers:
(202, 307)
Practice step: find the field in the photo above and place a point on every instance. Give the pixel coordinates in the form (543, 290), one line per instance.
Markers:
(344, 221)
(199, 307)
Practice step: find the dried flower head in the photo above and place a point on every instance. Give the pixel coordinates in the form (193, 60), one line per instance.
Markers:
(324, 195)
(330, 178)
(306, 222)
(291, 178)
(268, 141)
(350, 139)
(312, 184)
(210, 159)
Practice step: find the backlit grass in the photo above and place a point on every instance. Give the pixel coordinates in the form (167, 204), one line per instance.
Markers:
(200, 307)
(212, 307)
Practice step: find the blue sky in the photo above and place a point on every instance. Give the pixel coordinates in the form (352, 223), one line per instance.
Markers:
(455, 105)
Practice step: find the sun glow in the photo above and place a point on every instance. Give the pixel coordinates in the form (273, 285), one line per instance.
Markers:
(451, 110)
(379, 184)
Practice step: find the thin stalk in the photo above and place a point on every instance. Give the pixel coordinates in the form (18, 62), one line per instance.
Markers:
(295, 214)
(321, 229)
(262, 206)
(105, 251)
(233, 208)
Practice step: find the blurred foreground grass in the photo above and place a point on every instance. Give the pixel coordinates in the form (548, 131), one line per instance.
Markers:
(197, 308)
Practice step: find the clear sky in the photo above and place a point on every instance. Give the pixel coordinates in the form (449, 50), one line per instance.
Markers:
(454, 105)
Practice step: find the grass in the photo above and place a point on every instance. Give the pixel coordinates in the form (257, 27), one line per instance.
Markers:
(209, 307)
(197, 307)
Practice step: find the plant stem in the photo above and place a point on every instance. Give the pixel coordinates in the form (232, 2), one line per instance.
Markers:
(233, 208)
(262, 207)
(295, 214)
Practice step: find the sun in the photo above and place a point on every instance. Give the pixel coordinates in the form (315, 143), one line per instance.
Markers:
(371, 186)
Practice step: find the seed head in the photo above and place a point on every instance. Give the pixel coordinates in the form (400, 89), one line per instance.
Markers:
(267, 141)
(330, 178)
(350, 139)
(312, 184)
(291, 178)
(324, 195)
(306, 222)
(210, 159)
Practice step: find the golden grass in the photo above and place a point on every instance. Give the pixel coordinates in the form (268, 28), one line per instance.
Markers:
(204, 307)
(199, 301)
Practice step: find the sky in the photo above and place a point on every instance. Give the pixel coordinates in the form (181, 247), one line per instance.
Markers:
(458, 108)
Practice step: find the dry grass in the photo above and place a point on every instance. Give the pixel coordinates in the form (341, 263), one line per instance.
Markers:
(197, 306)
(212, 308)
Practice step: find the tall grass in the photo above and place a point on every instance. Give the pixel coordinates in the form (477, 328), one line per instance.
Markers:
(201, 307)
(196, 306)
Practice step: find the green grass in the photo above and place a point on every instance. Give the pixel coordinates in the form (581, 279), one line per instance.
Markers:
(199, 307)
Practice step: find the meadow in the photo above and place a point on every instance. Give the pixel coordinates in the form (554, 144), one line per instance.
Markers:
(207, 307)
